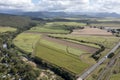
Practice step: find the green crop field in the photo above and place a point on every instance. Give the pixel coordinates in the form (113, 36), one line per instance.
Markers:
(5, 29)
(60, 58)
(62, 47)
(48, 30)
(67, 23)
(56, 27)
(108, 42)
(26, 41)
(86, 44)
(115, 77)
(69, 58)
(53, 52)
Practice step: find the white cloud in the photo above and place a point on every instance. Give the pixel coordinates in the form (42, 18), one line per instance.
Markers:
(16, 4)
(106, 6)
(63, 5)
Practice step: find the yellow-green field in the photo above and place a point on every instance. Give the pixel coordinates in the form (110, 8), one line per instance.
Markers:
(61, 47)
(108, 42)
(87, 44)
(26, 41)
(56, 27)
(5, 29)
(60, 58)
(67, 23)
(47, 30)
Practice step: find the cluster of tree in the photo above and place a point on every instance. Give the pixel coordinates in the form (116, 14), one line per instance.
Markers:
(20, 22)
(13, 21)
(11, 65)
(97, 54)
(66, 27)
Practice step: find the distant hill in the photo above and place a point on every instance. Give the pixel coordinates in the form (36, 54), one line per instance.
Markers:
(54, 15)
(70, 14)
(13, 20)
(107, 15)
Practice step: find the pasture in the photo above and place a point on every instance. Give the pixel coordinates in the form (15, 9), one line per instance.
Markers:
(5, 29)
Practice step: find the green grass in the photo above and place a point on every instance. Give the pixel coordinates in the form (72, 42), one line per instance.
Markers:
(5, 29)
(54, 53)
(86, 44)
(61, 47)
(108, 42)
(76, 24)
(115, 77)
(26, 41)
(60, 58)
(56, 27)
(48, 30)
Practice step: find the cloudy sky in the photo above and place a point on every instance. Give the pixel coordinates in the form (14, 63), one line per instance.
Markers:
(61, 5)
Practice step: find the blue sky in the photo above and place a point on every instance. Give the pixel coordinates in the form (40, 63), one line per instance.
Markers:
(35, 1)
(61, 5)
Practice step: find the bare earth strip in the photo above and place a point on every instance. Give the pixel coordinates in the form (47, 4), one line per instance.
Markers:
(91, 31)
(71, 44)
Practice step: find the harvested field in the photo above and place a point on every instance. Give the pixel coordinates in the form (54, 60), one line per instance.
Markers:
(91, 31)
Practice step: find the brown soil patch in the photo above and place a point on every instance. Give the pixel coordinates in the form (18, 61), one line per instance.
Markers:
(92, 31)
(71, 44)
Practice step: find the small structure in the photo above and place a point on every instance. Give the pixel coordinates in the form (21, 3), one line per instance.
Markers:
(4, 45)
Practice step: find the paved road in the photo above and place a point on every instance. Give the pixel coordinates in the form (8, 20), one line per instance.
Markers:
(108, 67)
(91, 69)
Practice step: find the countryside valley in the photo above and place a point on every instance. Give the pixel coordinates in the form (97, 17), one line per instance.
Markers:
(59, 49)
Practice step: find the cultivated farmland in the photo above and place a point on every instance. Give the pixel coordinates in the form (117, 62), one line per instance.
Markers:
(92, 31)
(60, 58)
(69, 52)
(26, 41)
(57, 27)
